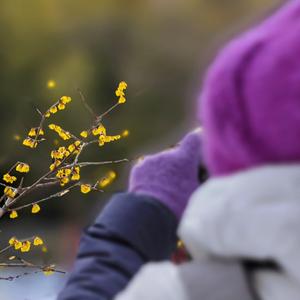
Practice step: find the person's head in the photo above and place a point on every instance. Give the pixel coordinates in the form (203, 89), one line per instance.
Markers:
(250, 103)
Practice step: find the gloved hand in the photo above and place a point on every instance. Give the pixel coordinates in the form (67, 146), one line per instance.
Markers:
(170, 176)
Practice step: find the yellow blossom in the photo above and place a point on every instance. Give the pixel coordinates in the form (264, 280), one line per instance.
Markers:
(65, 135)
(75, 177)
(119, 93)
(17, 245)
(12, 241)
(10, 192)
(34, 132)
(60, 174)
(53, 109)
(122, 85)
(47, 114)
(104, 182)
(13, 214)
(63, 173)
(101, 140)
(108, 179)
(122, 100)
(65, 99)
(64, 181)
(61, 106)
(85, 188)
(112, 174)
(54, 165)
(84, 134)
(29, 142)
(35, 208)
(38, 241)
(22, 168)
(26, 246)
(8, 178)
(71, 148)
(74, 146)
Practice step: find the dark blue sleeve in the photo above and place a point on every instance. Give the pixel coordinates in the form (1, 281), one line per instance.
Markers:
(131, 231)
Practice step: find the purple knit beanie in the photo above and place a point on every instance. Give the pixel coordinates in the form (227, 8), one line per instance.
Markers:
(250, 104)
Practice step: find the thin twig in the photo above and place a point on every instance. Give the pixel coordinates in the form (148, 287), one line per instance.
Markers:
(5, 249)
(56, 195)
(86, 105)
(99, 163)
(99, 118)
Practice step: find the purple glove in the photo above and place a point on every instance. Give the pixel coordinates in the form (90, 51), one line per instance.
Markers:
(170, 176)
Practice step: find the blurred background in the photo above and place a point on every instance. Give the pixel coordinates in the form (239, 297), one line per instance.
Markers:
(50, 48)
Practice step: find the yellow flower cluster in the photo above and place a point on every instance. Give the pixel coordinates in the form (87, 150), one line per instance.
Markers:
(9, 178)
(22, 168)
(120, 92)
(65, 135)
(33, 132)
(107, 179)
(63, 152)
(10, 191)
(29, 142)
(103, 138)
(107, 139)
(60, 105)
(25, 246)
(99, 130)
(66, 174)
(60, 153)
